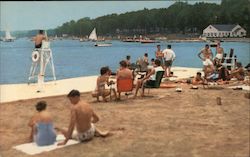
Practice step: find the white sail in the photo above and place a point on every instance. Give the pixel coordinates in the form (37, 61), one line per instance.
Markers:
(8, 37)
(93, 35)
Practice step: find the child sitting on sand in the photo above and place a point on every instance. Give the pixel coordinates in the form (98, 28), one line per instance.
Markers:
(100, 85)
(42, 129)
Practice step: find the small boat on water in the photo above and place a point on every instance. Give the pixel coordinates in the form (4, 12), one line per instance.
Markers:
(83, 40)
(93, 37)
(128, 40)
(103, 44)
(8, 37)
(214, 43)
(148, 41)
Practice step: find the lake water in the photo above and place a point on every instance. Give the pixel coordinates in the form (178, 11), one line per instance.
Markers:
(74, 59)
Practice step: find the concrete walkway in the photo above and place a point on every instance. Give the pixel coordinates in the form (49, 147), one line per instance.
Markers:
(14, 92)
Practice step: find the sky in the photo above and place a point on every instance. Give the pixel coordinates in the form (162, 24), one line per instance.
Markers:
(18, 15)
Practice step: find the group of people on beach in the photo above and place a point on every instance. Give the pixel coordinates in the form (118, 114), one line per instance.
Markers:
(216, 68)
(162, 62)
(83, 117)
(123, 73)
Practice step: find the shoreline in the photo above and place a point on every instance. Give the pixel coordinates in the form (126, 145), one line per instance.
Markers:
(19, 92)
(247, 40)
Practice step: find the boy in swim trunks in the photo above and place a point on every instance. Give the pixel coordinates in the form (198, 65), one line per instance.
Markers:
(219, 54)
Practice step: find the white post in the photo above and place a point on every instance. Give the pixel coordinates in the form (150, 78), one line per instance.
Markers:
(41, 73)
(52, 65)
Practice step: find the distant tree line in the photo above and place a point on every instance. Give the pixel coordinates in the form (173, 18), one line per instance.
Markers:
(178, 18)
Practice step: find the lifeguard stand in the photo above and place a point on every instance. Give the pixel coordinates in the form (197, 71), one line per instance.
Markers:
(41, 57)
(230, 60)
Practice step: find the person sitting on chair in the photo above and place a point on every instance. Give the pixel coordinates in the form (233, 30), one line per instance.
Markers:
(150, 78)
(100, 85)
(123, 73)
(42, 129)
(39, 38)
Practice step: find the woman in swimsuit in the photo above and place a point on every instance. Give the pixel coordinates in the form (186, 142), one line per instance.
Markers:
(42, 129)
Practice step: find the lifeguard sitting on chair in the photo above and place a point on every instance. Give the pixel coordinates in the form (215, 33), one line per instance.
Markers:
(39, 38)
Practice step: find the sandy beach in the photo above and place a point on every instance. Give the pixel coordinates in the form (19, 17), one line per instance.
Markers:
(165, 123)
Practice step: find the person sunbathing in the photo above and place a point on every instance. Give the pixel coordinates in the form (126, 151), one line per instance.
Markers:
(194, 81)
(42, 130)
(238, 73)
(100, 85)
(82, 119)
(149, 78)
(197, 79)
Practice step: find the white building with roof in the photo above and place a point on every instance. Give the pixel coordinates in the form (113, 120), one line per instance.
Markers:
(215, 30)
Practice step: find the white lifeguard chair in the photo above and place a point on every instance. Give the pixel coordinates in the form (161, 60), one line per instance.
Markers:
(41, 57)
(230, 61)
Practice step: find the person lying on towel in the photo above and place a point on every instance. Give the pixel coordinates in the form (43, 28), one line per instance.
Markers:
(42, 129)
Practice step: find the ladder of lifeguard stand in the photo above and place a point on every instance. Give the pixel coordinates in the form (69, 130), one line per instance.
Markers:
(230, 61)
(45, 58)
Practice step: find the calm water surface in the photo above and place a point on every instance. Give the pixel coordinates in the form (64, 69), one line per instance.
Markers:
(74, 59)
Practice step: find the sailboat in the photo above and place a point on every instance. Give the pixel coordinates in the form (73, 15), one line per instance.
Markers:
(93, 37)
(8, 37)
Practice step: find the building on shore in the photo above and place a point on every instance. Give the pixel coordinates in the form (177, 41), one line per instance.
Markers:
(225, 31)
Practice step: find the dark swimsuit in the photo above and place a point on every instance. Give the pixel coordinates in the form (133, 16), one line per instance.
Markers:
(38, 46)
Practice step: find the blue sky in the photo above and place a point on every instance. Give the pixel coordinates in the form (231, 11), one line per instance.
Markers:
(50, 14)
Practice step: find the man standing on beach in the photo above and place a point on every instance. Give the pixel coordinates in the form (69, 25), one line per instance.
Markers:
(207, 56)
(82, 117)
(169, 57)
(159, 54)
(219, 53)
(39, 38)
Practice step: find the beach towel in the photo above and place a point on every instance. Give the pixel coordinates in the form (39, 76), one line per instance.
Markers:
(32, 148)
(164, 85)
(241, 87)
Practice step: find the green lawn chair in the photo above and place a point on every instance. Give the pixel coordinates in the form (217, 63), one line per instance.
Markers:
(159, 76)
